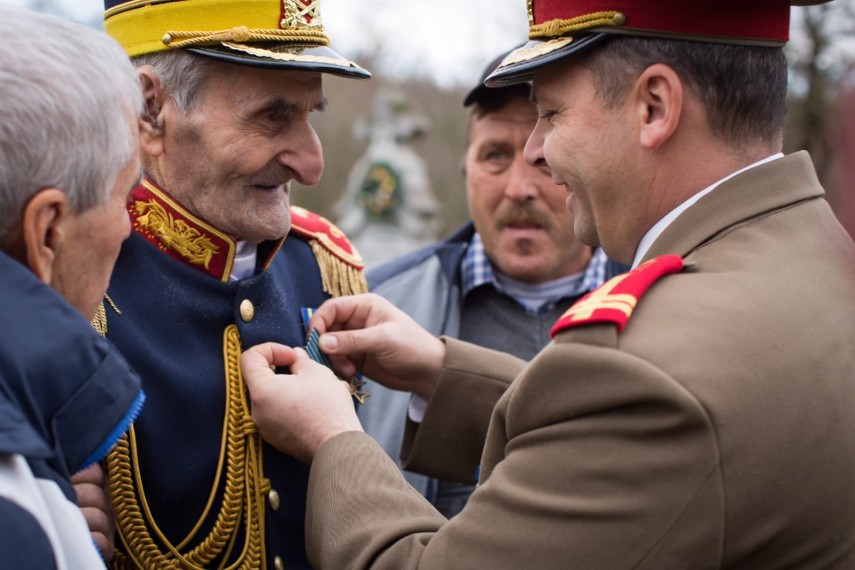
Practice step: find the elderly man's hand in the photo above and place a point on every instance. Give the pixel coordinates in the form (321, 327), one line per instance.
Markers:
(296, 413)
(367, 333)
(94, 500)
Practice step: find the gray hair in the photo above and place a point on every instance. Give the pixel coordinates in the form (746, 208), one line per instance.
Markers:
(69, 94)
(182, 75)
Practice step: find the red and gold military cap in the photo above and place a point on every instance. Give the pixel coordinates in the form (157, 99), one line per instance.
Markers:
(558, 28)
(286, 34)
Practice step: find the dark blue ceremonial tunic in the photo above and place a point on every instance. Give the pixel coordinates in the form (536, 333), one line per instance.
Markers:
(171, 329)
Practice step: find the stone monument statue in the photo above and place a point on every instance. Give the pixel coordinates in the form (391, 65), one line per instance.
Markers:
(388, 208)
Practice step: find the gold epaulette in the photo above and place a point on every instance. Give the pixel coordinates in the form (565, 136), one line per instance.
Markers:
(340, 264)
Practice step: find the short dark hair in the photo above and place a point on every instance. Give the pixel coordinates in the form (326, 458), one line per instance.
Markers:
(743, 88)
(491, 100)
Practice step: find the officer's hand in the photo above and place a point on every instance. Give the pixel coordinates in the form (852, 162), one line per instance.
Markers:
(296, 413)
(94, 500)
(380, 340)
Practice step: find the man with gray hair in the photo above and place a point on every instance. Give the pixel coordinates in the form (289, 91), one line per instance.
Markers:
(68, 157)
(218, 260)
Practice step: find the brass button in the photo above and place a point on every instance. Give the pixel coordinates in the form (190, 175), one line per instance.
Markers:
(273, 497)
(278, 564)
(247, 310)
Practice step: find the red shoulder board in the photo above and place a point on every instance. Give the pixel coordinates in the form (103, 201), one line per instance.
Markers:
(315, 227)
(614, 300)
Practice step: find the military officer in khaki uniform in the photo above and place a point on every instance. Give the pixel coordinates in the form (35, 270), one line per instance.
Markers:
(696, 412)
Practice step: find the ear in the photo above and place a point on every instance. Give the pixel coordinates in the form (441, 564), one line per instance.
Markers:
(659, 104)
(42, 232)
(151, 122)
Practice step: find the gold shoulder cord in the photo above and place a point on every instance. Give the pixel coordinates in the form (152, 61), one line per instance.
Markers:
(240, 451)
(243, 497)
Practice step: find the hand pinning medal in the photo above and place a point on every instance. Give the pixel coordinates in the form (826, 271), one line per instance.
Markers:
(315, 354)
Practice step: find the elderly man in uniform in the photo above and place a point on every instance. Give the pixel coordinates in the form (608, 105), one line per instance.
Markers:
(218, 260)
(502, 279)
(695, 412)
(69, 158)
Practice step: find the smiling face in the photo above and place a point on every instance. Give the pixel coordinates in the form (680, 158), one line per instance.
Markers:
(588, 150)
(519, 213)
(231, 159)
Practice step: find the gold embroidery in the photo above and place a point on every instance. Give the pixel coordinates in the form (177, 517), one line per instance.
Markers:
(300, 15)
(603, 298)
(175, 234)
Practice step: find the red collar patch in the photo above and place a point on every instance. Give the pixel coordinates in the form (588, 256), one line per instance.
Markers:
(614, 300)
(167, 225)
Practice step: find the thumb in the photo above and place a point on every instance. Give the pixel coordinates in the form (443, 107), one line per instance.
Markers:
(354, 343)
(302, 362)
(256, 362)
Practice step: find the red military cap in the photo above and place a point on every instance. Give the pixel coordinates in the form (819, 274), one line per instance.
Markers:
(558, 28)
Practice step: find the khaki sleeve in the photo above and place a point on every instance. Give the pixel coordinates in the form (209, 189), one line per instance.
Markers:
(594, 459)
(450, 439)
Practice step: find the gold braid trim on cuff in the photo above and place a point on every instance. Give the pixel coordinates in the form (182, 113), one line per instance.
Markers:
(243, 498)
(558, 27)
(242, 34)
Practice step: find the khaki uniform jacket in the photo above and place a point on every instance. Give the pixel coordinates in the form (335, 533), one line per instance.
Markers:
(717, 430)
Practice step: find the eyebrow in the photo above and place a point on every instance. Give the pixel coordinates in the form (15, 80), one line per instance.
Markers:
(281, 106)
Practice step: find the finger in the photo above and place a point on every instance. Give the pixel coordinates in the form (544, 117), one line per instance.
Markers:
(356, 343)
(89, 495)
(105, 546)
(344, 367)
(265, 355)
(93, 474)
(97, 520)
(303, 364)
(339, 313)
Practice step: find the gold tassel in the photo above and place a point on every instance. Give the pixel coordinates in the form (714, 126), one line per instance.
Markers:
(338, 278)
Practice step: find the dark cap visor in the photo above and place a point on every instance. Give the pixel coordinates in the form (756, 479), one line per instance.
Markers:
(521, 64)
(275, 55)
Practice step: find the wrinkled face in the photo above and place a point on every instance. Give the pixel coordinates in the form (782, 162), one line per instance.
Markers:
(518, 211)
(92, 239)
(587, 150)
(232, 158)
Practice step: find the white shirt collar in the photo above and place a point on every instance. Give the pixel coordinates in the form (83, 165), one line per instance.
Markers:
(244, 263)
(659, 227)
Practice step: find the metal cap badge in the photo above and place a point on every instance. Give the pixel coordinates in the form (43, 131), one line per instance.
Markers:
(284, 34)
(558, 28)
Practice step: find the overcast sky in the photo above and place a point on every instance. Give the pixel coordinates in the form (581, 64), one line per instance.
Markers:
(447, 40)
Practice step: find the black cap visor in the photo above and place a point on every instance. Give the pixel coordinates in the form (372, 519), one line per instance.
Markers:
(277, 55)
(521, 64)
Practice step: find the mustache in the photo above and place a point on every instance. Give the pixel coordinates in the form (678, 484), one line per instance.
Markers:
(521, 213)
(271, 175)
